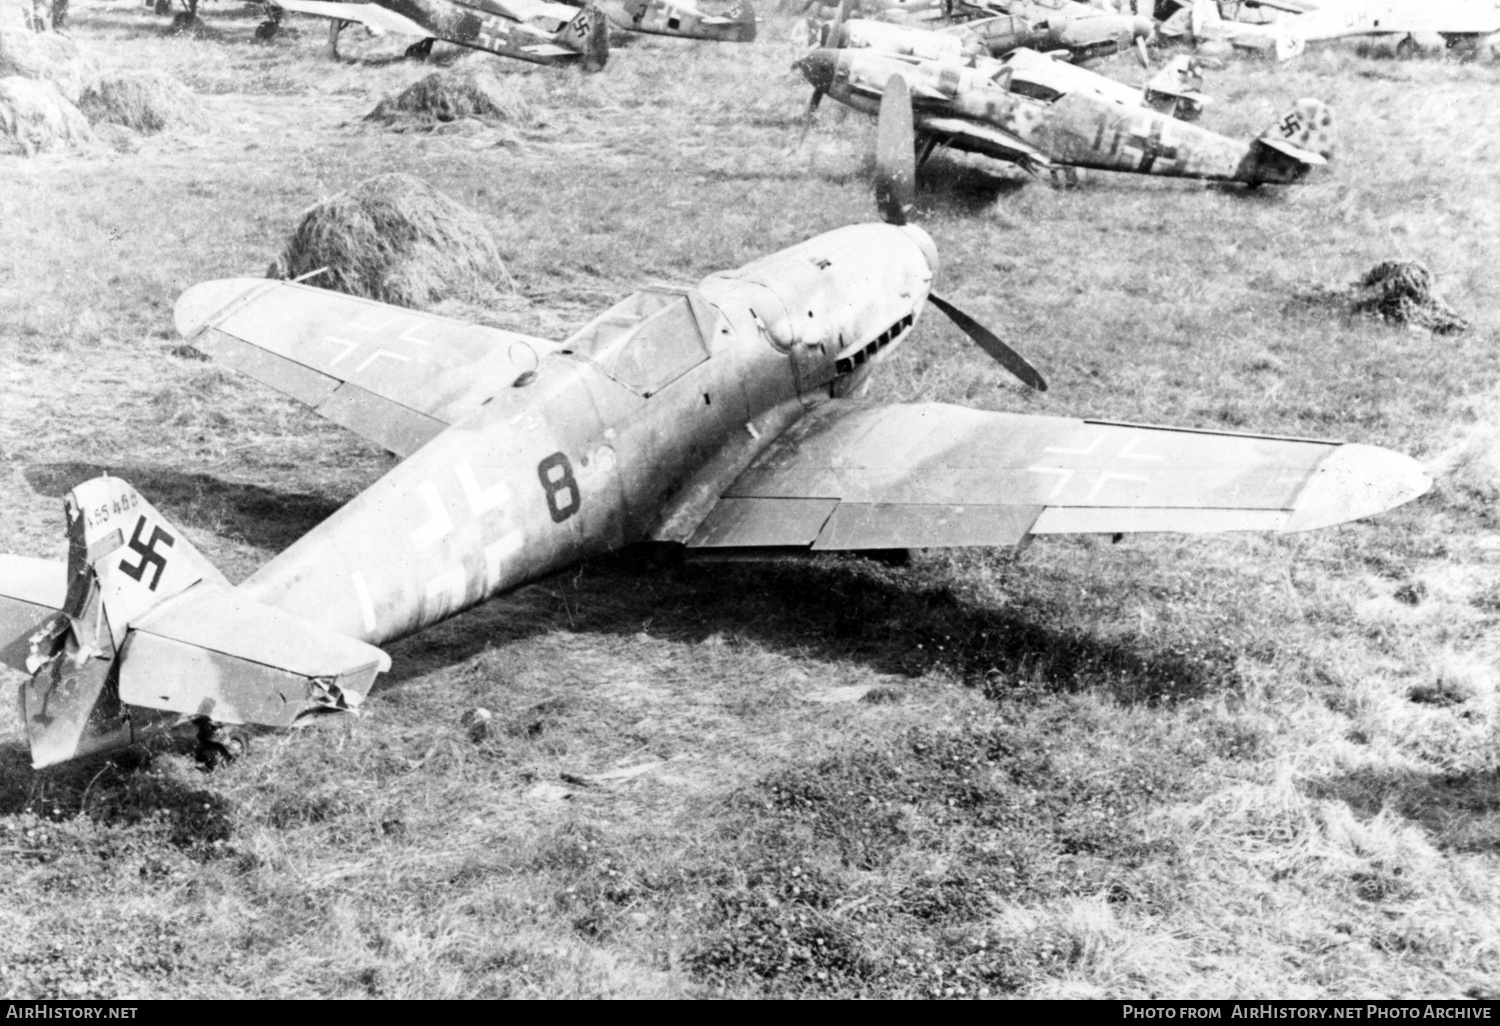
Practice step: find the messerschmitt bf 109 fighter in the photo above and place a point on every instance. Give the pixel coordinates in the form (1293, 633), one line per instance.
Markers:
(724, 21)
(528, 30)
(1408, 24)
(992, 36)
(1084, 32)
(1201, 23)
(1172, 90)
(724, 419)
(977, 111)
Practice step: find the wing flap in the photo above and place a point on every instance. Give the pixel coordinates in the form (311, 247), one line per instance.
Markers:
(890, 525)
(762, 523)
(390, 425)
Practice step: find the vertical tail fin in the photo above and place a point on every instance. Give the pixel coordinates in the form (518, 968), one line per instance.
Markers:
(743, 14)
(587, 33)
(1308, 126)
(1203, 18)
(123, 559)
(1288, 41)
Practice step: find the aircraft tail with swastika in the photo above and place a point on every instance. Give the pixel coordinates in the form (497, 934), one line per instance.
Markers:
(588, 34)
(1306, 129)
(139, 631)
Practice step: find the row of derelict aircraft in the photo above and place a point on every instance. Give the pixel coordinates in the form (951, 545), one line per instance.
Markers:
(576, 31)
(724, 420)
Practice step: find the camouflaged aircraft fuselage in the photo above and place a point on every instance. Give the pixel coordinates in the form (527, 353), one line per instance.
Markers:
(1073, 130)
(663, 18)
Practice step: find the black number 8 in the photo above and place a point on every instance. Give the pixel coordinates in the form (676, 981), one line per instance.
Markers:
(556, 474)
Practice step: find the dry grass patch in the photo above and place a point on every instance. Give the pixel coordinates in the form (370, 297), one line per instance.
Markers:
(397, 239)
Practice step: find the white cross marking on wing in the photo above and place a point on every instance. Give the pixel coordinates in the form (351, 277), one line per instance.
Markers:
(1064, 476)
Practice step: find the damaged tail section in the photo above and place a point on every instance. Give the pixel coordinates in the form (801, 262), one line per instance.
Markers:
(139, 631)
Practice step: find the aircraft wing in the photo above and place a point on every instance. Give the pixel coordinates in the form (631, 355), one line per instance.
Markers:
(867, 476)
(989, 140)
(372, 16)
(1290, 6)
(395, 376)
(526, 10)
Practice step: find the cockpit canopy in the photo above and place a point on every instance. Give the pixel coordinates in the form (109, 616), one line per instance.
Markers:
(645, 342)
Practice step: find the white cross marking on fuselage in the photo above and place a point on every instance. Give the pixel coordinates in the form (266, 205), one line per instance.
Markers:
(438, 526)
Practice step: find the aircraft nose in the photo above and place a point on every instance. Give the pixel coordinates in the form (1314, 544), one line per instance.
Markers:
(818, 67)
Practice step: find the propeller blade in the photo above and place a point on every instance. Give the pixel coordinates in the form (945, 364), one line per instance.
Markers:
(812, 112)
(1142, 53)
(990, 343)
(835, 37)
(895, 154)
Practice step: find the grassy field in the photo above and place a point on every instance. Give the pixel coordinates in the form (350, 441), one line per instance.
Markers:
(1222, 766)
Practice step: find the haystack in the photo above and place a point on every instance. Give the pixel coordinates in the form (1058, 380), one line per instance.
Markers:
(397, 239)
(474, 91)
(146, 101)
(45, 55)
(1398, 291)
(36, 118)
(1401, 292)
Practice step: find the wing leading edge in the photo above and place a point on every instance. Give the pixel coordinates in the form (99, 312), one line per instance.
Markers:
(862, 476)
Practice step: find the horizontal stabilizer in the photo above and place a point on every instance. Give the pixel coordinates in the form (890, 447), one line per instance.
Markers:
(31, 593)
(1296, 153)
(234, 660)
